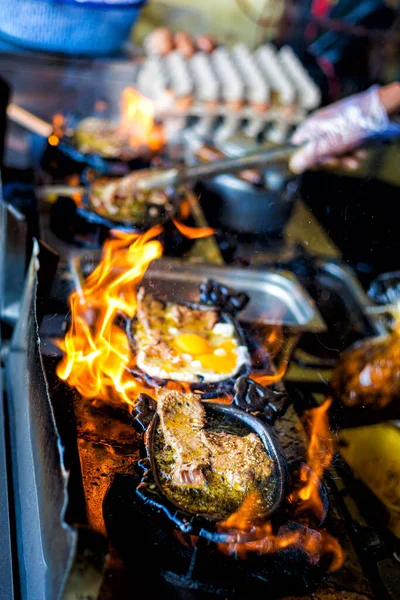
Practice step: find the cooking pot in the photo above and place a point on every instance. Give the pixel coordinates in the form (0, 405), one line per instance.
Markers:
(236, 204)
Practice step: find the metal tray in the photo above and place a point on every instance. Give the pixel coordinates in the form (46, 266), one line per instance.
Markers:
(276, 297)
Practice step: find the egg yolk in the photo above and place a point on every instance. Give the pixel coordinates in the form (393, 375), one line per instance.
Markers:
(219, 364)
(228, 345)
(192, 344)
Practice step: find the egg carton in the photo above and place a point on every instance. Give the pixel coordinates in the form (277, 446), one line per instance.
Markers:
(266, 91)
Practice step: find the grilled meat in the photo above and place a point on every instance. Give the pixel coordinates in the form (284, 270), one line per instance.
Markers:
(240, 461)
(182, 420)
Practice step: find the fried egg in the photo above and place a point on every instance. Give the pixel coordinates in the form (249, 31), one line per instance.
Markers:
(189, 351)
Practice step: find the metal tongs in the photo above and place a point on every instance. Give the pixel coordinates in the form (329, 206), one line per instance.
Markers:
(172, 177)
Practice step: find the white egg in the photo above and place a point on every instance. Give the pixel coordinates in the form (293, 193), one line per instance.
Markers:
(224, 329)
(187, 368)
(196, 364)
(220, 352)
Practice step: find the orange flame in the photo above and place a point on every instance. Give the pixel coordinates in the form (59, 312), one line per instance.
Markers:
(249, 535)
(97, 351)
(74, 180)
(137, 120)
(319, 456)
(97, 363)
(277, 345)
(267, 380)
(193, 233)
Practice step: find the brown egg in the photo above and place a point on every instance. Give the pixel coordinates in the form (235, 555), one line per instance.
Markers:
(234, 104)
(184, 102)
(206, 43)
(210, 105)
(160, 41)
(260, 106)
(184, 44)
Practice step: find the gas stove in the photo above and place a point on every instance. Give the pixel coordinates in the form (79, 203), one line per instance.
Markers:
(77, 459)
(100, 454)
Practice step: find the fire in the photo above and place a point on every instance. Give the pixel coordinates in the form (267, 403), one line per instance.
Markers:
(193, 233)
(137, 120)
(97, 362)
(249, 535)
(58, 122)
(319, 456)
(97, 353)
(74, 181)
(267, 380)
(277, 346)
(248, 531)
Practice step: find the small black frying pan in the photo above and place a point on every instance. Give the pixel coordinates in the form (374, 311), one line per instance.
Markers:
(150, 489)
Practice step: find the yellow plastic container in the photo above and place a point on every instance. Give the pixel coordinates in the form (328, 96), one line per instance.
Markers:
(373, 453)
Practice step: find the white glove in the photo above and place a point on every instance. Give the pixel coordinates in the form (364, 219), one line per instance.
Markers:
(338, 128)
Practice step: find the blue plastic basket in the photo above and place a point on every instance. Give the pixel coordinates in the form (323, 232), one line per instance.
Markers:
(85, 27)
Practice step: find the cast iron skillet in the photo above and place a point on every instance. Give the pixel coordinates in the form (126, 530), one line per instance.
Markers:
(150, 490)
(154, 214)
(228, 304)
(66, 157)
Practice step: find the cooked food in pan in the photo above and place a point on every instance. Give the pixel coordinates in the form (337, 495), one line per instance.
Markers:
(114, 199)
(183, 343)
(103, 137)
(204, 466)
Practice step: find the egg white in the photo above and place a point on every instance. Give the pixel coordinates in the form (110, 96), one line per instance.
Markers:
(193, 371)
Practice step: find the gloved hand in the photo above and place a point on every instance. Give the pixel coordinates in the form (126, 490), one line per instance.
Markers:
(338, 128)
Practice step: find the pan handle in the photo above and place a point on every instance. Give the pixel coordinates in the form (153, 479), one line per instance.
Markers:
(29, 121)
(144, 412)
(222, 297)
(267, 403)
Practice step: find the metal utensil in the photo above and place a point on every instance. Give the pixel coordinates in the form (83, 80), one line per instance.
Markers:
(178, 176)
